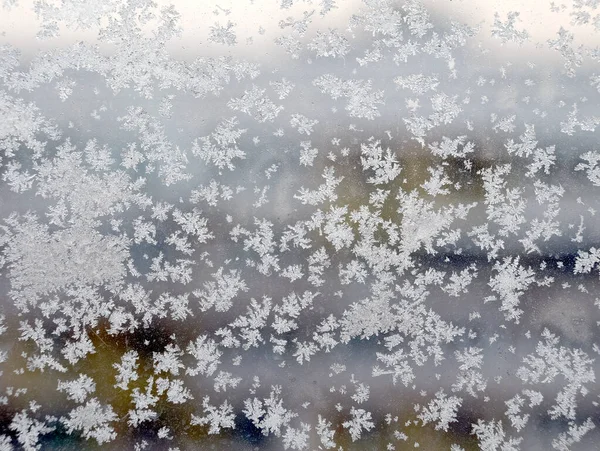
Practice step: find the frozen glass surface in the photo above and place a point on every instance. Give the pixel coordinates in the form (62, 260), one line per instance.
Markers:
(299, 224)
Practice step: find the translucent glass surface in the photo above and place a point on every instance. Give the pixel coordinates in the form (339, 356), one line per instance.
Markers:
(299, 224)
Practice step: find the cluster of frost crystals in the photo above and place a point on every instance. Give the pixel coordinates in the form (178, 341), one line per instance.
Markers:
(299, 224)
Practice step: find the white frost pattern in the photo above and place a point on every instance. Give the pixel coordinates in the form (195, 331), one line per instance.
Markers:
(305, 225)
